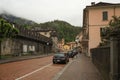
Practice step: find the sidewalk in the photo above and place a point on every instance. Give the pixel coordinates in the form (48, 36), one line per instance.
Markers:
(20, 58)
(80, 68)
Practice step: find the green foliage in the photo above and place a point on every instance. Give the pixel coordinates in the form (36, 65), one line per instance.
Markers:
(17, 20)
(6, 30)
(114, 27)
(115, 22)
(113, 30)
(64, 29)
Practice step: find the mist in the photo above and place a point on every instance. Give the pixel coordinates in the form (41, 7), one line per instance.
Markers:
(48, 10)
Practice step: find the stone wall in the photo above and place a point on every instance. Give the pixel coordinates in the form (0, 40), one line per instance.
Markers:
(115, 58)
(101, 58)
(6, 46)
(118, 40)
(107, 59)
(22, 46)
(119, 60)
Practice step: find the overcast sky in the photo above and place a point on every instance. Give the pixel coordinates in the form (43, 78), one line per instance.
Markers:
(48, 10)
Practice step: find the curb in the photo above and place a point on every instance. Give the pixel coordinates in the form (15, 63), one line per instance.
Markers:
(22, 58)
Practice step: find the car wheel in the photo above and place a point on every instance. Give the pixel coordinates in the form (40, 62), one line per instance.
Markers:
(65, 62)
(68, 60)
(53, 62)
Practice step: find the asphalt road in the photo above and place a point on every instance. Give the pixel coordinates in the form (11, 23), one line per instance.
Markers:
(80, 68)
(33, 69)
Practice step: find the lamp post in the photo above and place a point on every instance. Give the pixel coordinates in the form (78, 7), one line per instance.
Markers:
(47, 47)
(1, 36)
(0, 45)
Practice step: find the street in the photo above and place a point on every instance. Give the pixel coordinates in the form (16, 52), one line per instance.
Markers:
(33, 69)
(80, 68)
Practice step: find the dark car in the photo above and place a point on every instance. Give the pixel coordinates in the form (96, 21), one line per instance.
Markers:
(70, 54)
(75, 52)
(60, 58)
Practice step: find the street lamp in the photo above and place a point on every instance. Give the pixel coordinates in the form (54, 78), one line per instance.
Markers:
(47, 47)
(1, 36)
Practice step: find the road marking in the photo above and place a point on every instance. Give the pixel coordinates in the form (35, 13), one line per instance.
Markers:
(33, 72)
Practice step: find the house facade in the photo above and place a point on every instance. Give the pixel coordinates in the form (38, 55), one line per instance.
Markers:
(49, 33)
(96, 17)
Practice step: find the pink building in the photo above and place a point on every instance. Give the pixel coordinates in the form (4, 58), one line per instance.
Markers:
(95, 17)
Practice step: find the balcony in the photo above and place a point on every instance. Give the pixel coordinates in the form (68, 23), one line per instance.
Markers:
(84, 42)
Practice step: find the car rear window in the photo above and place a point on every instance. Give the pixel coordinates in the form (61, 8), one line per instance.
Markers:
(60, 54)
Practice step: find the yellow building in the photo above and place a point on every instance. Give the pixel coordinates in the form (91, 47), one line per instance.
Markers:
(66, 47)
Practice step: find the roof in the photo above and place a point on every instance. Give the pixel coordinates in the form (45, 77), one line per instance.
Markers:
(103, 4)
(43, 30)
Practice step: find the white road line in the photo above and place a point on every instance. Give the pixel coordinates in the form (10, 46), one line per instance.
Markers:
(33, 72)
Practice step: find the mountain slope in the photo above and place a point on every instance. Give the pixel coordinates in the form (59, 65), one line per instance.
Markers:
(17, 20)
(64, 29)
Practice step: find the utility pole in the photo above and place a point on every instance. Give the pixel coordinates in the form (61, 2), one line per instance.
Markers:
(47, 47)
(1, 36)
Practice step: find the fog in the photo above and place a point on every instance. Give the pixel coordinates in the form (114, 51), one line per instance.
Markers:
(48, 10)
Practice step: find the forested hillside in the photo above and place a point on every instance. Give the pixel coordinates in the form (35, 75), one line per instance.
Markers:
(17, 20)
(64, 29)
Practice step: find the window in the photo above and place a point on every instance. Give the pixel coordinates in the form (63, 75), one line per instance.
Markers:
(105, 15)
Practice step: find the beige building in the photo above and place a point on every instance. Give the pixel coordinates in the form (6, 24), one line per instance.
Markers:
(95, 17)
(50, 33)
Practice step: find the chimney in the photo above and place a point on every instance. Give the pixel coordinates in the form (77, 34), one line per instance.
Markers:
(92, 3)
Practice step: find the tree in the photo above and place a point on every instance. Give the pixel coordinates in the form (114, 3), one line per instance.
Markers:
(115, 22)
(64, 29)
(112, 30)
(115, 26)
(6, 31)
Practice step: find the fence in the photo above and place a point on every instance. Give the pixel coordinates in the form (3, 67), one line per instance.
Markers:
(107, 59)
(101, 58)
(119, 59)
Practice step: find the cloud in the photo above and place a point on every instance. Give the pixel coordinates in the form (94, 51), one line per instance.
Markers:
(47, 10)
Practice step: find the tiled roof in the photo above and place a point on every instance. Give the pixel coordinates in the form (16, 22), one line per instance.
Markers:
(104, 4)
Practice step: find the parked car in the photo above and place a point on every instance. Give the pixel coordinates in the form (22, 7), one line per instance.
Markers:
(70, 54)
(60, 58)
(75, 52)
